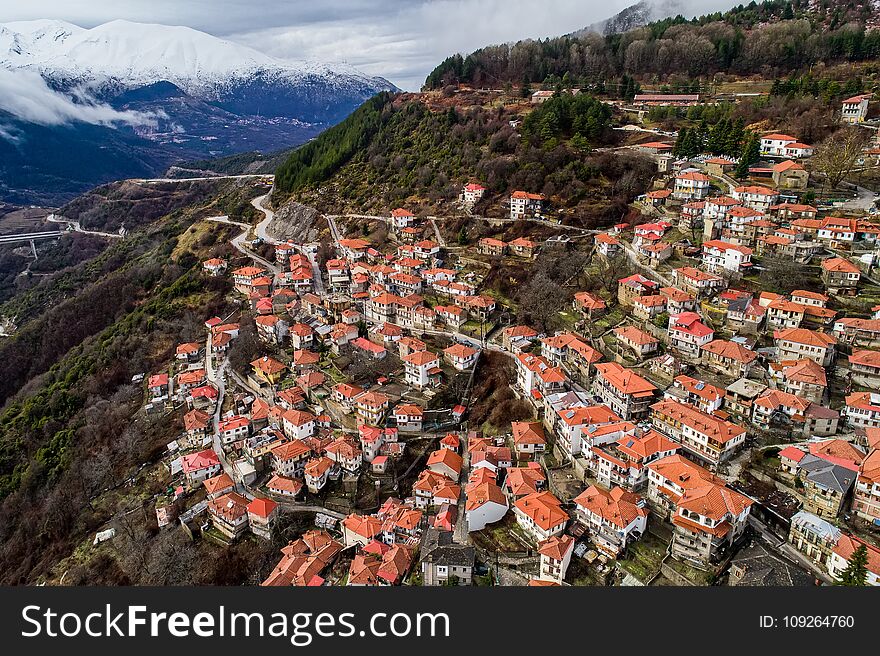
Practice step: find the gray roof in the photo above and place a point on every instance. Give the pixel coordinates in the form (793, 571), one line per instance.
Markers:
(762, 567)
(746, 387)
(807, 521)
(438, 549)
(827, 475)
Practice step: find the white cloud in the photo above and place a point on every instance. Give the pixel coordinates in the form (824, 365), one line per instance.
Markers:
(26, 96)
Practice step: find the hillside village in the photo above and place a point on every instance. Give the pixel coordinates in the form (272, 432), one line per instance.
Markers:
(705, 413)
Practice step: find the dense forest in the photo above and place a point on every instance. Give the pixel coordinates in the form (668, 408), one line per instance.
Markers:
(772, 38)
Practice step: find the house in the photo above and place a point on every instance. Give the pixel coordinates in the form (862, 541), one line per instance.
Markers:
(285, 487)
(234, 428)
(634, 286)
(528, 437)
(461, 356)
(625, 392)
(757, 564)
(696, 282)
(199, 466)
(801, 416)
(214, 266)
(721, 256)
(485, 504)
(472, 193)
(606, 245)
(701, 395)
(677, 301)
(345, 394)
(229, 514)
(577, 421)
(708, 438)
(838, 232)
(813, 536)
(289, 458)
(589, 304)
(728, 357)
(648, 307)
(866, 492)
(840, 276)
(304, 559)
(708, 521)
(446, 463)
(864, 367)
(756, 197)
(218, 485)
(345, 452)
(862, 410)
(624, 463)
(492, 246)
(638, 341)
(842, 553)
(555, 555)
(536, 377)
(524, 204)
(790, 175)
(521, 481)
(443, 562)
(613, 517)
(261, 515)
(854, 110)
(688, 334)
(522, 247)
(783, 145)
(540, 515)
(298, 424)
(371, 408)
(422, 369)
(267, 370)
(795, 343)
(691, 185)
(803, 378)
(858, 332)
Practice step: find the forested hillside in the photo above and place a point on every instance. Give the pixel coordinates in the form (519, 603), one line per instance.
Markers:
(773, 38)
(420, 149)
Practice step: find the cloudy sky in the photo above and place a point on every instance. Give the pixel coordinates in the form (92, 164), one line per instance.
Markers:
(401, 40)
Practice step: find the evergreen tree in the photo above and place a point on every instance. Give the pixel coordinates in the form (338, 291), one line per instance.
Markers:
(678, 148)
(751, 153)
(856, 572)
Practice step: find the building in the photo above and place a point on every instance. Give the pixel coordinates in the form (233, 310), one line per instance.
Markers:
(708, 521)
(229, 514)
(443, 562)
(843, 551)
(813, 536)
(854, 110)
(613, 517)
(523, 204)
(706, 437)
(840, 276)
(304, 559)
(784, 145)
(862, 410)
(638, 341)
(472, 193)
(797, 343)
(691, 185)
(688, 334)
(461, 356)
(540, 515)
(624, 463)
(756, 197)
(728, 357)
(485, 503)
(528, 438)
(625, 392)
(555, 555)
(721, 256)
(866, 493)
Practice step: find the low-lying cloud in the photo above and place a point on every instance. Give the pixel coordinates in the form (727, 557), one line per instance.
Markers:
(26, 96)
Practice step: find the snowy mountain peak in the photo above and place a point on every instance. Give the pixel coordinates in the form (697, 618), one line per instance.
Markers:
(136, 54)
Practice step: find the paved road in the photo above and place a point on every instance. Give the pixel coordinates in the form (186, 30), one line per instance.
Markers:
(203, 178)
(55, 218)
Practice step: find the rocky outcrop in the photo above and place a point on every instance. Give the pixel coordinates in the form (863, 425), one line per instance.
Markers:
(295, 221)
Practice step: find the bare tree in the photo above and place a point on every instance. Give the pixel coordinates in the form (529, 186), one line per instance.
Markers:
(837, 155)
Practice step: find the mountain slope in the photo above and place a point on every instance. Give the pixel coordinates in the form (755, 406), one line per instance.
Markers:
(147, 96)
(647, 11)
(774, 38)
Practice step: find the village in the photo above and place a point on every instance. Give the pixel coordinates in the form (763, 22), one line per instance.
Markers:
(692, 424)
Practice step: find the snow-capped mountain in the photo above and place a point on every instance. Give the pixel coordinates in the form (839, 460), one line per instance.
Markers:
(201, 96)
(131, 55)
(647, 11)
